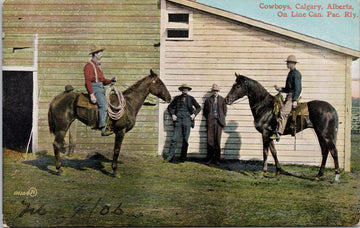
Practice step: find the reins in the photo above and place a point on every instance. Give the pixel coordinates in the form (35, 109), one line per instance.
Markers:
(115, 112)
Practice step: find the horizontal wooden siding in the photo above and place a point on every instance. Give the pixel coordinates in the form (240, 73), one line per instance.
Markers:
(220, 48)
(127, 29)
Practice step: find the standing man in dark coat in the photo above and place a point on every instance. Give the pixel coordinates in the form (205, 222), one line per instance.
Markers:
(183, 110)
(293, 90)
(214, 111)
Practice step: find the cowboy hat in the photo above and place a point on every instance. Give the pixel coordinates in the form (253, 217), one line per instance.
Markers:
(184, 86)
(215, 87)
(69, 88)
(291, 58)
(96, 48)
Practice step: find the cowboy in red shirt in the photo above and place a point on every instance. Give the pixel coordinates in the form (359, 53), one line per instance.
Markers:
(94, 83)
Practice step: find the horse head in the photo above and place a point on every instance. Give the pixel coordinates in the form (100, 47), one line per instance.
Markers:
(158, 88)
(238, 90)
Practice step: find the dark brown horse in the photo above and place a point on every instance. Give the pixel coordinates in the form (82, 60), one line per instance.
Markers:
(62, 112)
(322, 115)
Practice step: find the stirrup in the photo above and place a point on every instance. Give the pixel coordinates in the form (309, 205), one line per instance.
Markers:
(276, 137)
(104, 132)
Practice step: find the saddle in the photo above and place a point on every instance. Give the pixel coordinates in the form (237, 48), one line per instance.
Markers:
(89, 115)
(300, 112)
(86, 111)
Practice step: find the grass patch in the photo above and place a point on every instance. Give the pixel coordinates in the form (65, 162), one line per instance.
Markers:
(153, 193)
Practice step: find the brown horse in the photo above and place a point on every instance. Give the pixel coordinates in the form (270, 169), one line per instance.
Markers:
(62, 112)
(322, 115)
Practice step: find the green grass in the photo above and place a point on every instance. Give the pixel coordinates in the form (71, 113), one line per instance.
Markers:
(153, 193)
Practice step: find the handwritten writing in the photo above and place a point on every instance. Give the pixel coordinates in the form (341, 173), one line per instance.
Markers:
(96, 208)
(86, 207)
(32, 210)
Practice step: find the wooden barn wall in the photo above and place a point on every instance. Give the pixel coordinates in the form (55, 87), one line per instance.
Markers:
(128, 29)
(218, 49)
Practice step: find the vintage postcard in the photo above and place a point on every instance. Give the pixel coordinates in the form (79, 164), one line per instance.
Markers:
(180, 113)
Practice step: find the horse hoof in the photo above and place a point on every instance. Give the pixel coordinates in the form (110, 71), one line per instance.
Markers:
(60, 170)
(262, 174)
(116, 175)
(336, 179)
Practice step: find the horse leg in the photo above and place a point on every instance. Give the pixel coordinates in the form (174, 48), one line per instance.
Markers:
(72, 138)
(265, 155)
(119, 137)
(334, 154)
(324, 152)
(58, 141)
(274, 154)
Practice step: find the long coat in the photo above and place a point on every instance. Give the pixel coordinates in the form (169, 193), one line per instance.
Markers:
(209, 111)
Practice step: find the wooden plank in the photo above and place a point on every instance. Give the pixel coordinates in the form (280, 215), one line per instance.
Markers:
(76, 30)
(80, 18)
(230, 49)
(278, 57)
(113, 42)
(246, 60)
(229, 66)
(348, 105)
(71, 24)
(230, 72)
(85, 6)
(129, 56)
(94, 2)
(83, 12)
(119, 48)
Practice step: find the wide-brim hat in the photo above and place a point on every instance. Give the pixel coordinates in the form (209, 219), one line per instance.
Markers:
(291, 58)
(215, 87)
(185, 86)
(69, 88)
(96, 48)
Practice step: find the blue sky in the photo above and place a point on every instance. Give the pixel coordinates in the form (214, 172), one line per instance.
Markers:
(342, 30)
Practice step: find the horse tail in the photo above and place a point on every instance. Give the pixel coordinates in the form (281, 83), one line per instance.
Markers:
(50, 117)
(336, 125)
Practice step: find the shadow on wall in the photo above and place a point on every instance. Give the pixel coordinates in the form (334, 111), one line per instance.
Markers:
(233, 142)
(169, 131)
(200, 123)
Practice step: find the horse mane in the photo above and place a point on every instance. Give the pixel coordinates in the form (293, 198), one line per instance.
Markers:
(255, 86)
(135, 85)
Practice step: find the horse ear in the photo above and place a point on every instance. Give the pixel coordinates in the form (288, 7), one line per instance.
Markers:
(237, 75)
(152, 73)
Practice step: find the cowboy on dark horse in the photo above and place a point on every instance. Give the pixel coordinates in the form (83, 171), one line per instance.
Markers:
(293, 90)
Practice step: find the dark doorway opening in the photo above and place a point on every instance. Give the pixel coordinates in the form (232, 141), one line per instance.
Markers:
(17, 109)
